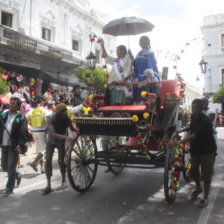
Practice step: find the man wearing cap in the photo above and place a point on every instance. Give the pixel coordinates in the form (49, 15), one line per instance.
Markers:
(58, 122)
(121, 72)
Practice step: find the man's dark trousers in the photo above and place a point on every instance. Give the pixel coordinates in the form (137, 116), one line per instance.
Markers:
(9, 164)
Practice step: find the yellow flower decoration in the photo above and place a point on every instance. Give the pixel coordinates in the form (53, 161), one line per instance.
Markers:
(168, 94)
(91, 96)
(135, 118)
(144, 93)
(105, 86)
(72, 117)
(181, 90)
(146, 116)
(86, 110)
(94, 116)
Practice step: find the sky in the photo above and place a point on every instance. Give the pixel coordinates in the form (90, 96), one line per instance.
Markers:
(177, 30)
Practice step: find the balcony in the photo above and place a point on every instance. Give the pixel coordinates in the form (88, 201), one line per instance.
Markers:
(29, 56)
(22, 42)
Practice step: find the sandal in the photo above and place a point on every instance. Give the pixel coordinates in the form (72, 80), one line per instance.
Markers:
(203, 203)
(195, 194)
(46, 190)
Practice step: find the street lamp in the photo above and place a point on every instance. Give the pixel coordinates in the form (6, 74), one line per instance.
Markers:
(203, 65)
(91, 60)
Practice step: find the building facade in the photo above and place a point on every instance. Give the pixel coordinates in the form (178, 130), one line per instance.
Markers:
(49, 38)
(191, 93)
(213, 52)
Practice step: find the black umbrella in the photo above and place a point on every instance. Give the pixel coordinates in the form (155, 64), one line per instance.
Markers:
(127, 26)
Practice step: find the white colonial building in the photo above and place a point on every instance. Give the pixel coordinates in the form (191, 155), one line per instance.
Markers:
(213, 52)
(191, 93)
(49, 38)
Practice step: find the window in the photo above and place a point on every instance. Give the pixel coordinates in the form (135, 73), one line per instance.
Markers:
(75, 45)
(222, 76)
(46, 34)
(222, 42)
(6, 19)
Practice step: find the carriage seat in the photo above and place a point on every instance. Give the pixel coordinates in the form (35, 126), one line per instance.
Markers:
(169, 86)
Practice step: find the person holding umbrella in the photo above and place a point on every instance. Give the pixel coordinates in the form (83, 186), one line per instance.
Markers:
(121, 72)
(145, 70)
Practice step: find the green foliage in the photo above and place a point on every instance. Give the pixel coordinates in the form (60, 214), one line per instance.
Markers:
(4, 87)
(218, 97)
(94, 78)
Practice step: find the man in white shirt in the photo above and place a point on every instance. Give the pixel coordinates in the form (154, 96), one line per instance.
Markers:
(12, 139)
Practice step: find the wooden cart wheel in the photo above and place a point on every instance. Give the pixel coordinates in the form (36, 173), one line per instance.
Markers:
(171, 174)
(109, 142)
(81, 172)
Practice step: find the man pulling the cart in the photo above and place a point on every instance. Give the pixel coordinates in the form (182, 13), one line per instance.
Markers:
(202, 149)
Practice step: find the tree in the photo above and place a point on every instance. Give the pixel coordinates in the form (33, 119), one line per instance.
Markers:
(96, 78)
(4, 87)
(218, 97)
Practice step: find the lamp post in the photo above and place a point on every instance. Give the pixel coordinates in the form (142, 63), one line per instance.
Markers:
(91, 60)
(203, 65)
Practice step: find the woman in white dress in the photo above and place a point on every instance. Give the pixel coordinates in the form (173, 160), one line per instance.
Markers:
(120, 73)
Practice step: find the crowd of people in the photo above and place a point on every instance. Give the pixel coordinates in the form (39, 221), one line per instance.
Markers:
(45, 120)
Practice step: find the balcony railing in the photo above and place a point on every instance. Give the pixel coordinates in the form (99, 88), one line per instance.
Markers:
(23, 42)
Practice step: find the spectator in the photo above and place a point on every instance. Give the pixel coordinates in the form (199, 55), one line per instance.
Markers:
(12, 137)
(47, 95)
(84, 93)
(76, 99)
(62, 97)
(185, 118)
(211, 115)
(55, 96)
(37, 120)
(180, 118)
(51, 108)
(202, 149)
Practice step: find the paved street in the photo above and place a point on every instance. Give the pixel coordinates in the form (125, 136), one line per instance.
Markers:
(135, 196)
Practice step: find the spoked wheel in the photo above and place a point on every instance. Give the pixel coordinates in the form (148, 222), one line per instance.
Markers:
(171, 173)
(81, 172)
(109, 142)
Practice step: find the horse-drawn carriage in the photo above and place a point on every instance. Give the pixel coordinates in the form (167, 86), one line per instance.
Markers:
(132, 136)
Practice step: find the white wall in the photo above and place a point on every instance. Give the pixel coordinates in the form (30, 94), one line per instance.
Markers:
(73, 19)
(212, 29)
